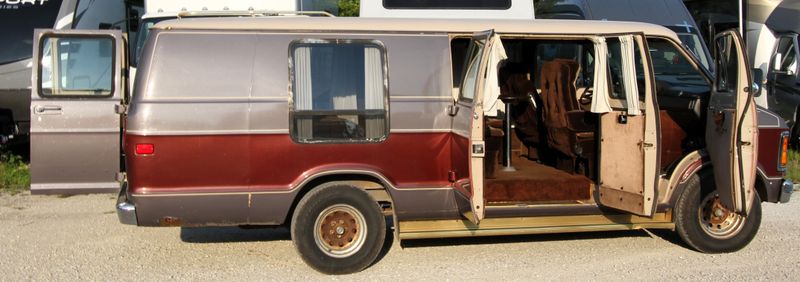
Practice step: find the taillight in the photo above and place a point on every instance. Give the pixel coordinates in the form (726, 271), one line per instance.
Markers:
(145, 149)
(784, 151)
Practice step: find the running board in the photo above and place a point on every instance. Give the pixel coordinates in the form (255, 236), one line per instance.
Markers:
(422, 229)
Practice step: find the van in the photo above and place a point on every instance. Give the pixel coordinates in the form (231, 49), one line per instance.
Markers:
(332, 125)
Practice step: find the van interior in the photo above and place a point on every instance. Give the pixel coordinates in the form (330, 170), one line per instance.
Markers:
(555, 136)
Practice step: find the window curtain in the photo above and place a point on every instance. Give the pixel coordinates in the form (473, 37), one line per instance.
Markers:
(373, 92)
(303, 91)
(629, 74)
(600, 103)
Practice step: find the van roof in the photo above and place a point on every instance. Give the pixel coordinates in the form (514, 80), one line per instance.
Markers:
(415, 25)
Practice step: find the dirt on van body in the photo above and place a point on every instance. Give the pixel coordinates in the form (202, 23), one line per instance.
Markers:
(79, 238)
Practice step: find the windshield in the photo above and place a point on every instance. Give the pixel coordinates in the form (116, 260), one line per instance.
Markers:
(141, 37)
(692, 40)
(18, 22)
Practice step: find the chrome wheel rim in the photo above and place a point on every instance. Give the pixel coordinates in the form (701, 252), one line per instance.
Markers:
(340, 231)
(718, 221)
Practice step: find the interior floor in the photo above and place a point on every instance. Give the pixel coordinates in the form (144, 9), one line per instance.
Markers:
(534, 182)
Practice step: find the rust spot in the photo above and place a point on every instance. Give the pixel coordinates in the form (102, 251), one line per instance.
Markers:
(170, 221)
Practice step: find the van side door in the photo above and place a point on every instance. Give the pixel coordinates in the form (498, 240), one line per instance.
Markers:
(468, 126)
(628, 156)
(75, 129)
(731, 132)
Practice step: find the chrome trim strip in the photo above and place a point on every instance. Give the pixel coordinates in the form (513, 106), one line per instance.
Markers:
(114, 130)
(259, 131)
(764, 175)
(421, 98)
(414, 130)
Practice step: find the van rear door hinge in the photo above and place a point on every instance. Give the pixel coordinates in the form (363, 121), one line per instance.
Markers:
(120, 109)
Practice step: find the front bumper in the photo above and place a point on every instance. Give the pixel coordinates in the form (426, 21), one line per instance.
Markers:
(126, 211)
(787, 187)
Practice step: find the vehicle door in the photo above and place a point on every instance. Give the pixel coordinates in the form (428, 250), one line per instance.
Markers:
(628, 142)
(467, 126)
(784, 65)
(75, 129)
(731, 132)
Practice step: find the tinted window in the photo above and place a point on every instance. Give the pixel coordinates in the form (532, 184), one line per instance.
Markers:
(674, 73)
(94, 14)
(787, 50)
(448, 4)
(338, 92)
(77, 66)
(18, 22)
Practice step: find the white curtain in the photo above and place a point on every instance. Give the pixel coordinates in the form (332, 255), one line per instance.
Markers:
(629, 74)
(303, 91)
(491, 89)
(373, 91)
(600, 98)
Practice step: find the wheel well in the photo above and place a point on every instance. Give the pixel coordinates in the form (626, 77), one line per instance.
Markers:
(707, 171)
(371, 184)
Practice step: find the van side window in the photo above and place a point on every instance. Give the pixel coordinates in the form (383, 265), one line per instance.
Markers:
(616, 70)
(339, 91)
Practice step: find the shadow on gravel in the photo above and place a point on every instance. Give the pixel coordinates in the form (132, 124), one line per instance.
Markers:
(522, 238)
(234, 234)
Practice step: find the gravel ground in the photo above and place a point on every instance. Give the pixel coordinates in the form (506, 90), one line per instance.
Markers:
(79, 238)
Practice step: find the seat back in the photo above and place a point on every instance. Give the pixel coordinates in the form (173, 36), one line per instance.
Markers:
(558, 97)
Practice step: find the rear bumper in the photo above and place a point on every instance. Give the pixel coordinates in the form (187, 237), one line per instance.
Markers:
(126, 211)
(787, 187)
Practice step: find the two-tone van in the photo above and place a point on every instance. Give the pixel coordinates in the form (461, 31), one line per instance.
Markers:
(333, 125)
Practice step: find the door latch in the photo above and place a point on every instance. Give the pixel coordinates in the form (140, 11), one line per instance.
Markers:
(120, 109)
(452, 110)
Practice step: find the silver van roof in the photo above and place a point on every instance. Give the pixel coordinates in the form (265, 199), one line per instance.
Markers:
(415, 25)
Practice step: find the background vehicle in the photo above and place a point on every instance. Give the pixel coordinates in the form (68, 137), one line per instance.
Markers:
(15, 55)
(466, 9)
(772, 30)
(669, 13)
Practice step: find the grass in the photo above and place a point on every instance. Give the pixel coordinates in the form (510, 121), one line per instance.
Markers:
(14, 174)
(793, 167)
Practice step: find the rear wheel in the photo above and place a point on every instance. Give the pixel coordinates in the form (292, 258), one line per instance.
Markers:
(338, 229)
(706, 225)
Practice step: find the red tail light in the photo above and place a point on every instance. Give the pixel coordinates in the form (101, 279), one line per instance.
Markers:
(784, 151)
(145, 149)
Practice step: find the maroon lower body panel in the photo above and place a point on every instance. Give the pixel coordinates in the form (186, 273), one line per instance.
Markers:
(254, 179)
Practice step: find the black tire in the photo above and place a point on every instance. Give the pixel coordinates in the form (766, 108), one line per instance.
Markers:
(690, 225)
(343, 199)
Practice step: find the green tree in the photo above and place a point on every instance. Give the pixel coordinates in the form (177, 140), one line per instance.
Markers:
(348, 8)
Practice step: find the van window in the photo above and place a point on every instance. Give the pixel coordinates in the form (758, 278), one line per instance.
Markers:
(77, 66)
(448, 4)
(674, 73)
(616, 70)
(339, 91)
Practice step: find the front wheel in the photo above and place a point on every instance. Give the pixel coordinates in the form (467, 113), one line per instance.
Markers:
(706, 225)
(338, 229)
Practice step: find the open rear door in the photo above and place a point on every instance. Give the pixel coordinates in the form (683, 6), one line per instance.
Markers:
(75, 128)
(468, 125)
(624, 99)
(731, 132)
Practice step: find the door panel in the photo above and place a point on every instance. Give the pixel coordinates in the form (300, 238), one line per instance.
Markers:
(731, 132)
(75, 130)
(628, 138)
(468, 124)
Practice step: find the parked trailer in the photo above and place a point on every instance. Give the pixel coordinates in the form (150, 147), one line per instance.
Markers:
(328, 125)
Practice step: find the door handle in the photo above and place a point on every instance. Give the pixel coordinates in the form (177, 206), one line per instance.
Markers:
(47, 109)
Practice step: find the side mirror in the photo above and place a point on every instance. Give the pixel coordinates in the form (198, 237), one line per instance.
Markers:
(758, 81)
